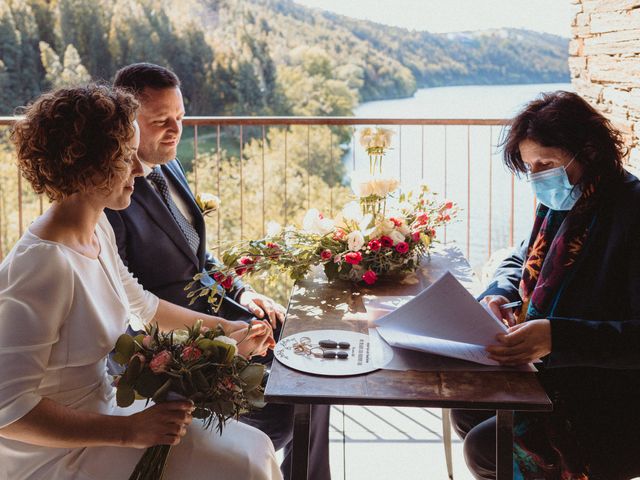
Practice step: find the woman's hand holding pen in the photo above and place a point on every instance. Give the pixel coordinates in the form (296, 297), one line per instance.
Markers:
(496, 304)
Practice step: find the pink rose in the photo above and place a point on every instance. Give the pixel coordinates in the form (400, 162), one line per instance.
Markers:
(160, 361)
(147, 341)
(326, 254)
(369, 277)
(386, 242)
(396, 221)
(448, 205)
(374, 245)
(191, 353)
(354, 258)
(402, 247)
(415, 236)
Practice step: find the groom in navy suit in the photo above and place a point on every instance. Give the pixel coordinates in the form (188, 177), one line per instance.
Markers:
(161, 239)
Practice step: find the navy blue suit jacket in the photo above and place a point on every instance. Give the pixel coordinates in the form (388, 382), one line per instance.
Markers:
(156, 251)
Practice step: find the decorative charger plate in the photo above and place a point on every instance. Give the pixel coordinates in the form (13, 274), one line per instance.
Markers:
(364, 354)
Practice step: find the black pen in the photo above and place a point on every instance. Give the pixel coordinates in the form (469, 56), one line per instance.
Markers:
(511, 305)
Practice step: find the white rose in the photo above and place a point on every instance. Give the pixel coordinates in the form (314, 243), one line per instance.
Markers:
(397, 237)
(355, 241)
(180, 336)
(404, 229)
(384, 227)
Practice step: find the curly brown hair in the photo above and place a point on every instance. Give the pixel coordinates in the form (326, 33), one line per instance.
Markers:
(75, 139)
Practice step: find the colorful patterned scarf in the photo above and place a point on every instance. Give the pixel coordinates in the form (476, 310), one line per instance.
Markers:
(545, 447)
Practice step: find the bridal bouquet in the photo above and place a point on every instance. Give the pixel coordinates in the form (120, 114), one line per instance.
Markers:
(368, 239)
(198, 364)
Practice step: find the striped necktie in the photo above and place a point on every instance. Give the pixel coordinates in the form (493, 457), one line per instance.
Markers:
(187, 229)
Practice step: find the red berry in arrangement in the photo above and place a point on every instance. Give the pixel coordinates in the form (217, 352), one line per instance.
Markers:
(326, 254)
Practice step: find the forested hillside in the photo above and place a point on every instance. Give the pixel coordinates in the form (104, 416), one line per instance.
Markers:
(255, 56)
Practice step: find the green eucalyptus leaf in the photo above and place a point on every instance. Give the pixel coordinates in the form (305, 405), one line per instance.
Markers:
(125, 395)
(252, 376)
(125, 347)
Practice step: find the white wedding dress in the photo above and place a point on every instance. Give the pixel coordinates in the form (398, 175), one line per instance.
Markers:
(60, 315)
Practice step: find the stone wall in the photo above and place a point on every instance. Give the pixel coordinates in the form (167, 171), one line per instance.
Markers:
(604, 59)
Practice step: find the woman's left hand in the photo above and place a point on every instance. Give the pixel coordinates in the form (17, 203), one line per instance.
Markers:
(260, 305)
(522, 343)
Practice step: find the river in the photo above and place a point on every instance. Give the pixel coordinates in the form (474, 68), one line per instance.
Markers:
(419, 155)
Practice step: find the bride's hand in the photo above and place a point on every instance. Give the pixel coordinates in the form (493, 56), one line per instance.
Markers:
(254, 341)
(162, 424)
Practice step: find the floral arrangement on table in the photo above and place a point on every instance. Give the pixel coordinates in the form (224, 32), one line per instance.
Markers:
(199, 364)
(368, 239)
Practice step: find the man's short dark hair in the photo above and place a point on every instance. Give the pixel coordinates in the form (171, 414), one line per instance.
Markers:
(138, 76)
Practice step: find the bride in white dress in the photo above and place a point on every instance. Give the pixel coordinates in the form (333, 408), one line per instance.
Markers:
(65, 297)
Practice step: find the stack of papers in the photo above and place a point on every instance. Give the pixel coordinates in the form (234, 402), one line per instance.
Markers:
(444, 319)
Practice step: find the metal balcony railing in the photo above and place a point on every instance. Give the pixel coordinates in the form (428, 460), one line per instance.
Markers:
(459, 158)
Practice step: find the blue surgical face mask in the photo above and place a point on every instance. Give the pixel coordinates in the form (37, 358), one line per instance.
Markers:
(553, 189)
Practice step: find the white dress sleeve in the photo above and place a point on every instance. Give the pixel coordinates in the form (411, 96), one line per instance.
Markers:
(142, 303)
(36, 291)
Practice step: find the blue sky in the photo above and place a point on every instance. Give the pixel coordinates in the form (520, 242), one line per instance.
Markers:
(551, 16)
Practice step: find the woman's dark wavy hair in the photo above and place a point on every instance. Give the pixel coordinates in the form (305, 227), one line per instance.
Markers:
(75, 139)
(565, 120)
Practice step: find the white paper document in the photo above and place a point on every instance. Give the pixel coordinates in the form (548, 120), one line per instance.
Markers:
(444, 319)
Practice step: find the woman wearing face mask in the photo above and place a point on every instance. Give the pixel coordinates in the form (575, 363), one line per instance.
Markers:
(578, 277)
(65, 297)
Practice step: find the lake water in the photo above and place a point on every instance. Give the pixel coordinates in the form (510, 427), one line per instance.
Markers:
(462, 163)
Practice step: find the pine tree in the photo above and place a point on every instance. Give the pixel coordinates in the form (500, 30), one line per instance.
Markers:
(30, 67)
(10, 55)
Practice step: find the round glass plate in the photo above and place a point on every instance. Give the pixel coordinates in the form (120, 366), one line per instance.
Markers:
(365, 353)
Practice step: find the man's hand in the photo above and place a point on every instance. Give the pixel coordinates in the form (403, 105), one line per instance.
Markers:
(522, 343)
(494, 302)
(260, 305)
(255, 340)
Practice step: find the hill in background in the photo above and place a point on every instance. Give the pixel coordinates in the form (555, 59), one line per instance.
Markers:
(256, 56)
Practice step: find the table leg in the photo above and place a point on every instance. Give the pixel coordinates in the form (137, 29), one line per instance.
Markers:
(504, 445)
(300, 453)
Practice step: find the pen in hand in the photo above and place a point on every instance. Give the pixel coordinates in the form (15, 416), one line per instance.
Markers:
(511, 305)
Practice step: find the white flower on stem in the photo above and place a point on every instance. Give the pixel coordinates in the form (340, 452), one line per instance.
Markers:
(180, 336)
(227, 340)
(355, 241)
(352, 212)
(273, 229)
(207, 202)
(314, 222)
(365, 185)
(397, 237)
(366, 136)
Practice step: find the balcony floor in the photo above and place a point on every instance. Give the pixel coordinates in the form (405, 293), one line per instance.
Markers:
(390, 442)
